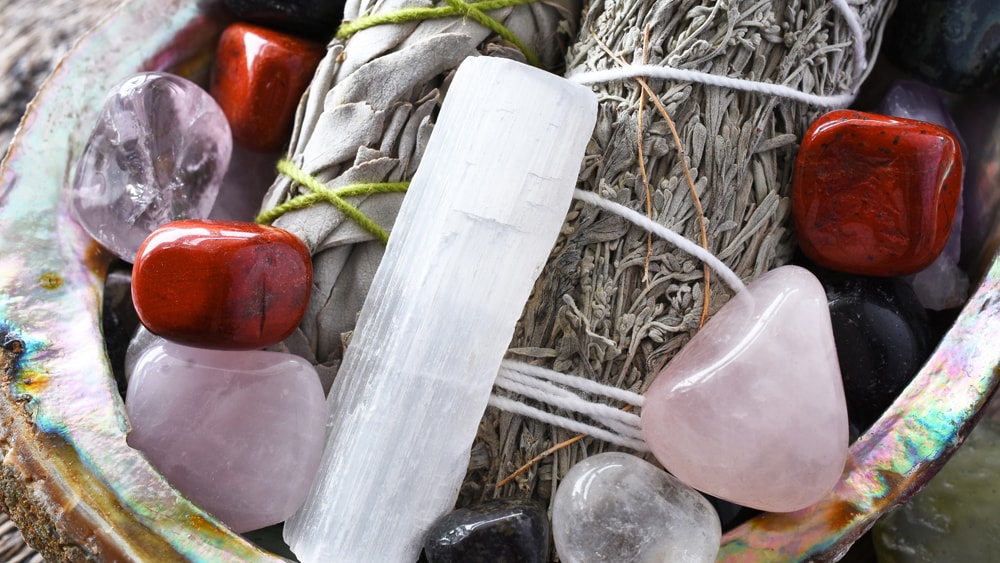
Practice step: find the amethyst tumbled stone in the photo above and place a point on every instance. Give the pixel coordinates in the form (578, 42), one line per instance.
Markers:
(157, 154)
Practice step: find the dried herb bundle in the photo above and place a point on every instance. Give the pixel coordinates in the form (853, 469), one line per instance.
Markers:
(612, 308)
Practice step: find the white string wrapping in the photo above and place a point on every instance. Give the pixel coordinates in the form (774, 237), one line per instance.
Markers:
(638, 219)
(684, 75)
(854, 24)
(522, 409)
(583, 384)
(779, 90)
(620, 421)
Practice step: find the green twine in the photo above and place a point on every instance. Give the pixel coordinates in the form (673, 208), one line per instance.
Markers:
(319, 193)
(475, 11)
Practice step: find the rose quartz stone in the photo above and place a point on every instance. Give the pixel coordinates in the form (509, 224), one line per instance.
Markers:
(752, 410)
(238, 433)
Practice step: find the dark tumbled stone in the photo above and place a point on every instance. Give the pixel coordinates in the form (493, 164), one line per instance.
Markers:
(883, 338)
(499, 531)
(312, 18)
(952, 44)
(119, 321)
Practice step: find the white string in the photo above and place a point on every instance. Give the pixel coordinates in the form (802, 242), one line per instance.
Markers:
(581, 383)
(854, 24)
(640, 220)
(780, 90)
(504, 376)
(532, 382)
(522, 409)
(685, 75)
(624, 423)
(623, 431)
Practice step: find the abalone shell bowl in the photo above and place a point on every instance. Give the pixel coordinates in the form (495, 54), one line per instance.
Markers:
(77, 491)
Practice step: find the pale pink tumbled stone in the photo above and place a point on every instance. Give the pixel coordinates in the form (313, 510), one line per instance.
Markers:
(752, 409)
(238, 433)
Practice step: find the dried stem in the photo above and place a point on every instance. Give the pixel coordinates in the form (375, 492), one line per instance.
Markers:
(642, 160)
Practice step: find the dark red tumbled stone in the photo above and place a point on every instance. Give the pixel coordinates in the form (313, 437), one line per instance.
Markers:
(258, 78)
(221, 284)
(875, 195)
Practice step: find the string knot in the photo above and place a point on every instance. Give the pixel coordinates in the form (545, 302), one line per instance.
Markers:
(475, 11)
(335, 197)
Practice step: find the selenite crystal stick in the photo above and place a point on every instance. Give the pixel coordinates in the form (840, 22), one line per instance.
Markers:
(476, 226)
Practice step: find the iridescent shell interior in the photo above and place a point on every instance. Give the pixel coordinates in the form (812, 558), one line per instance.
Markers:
(73, 482)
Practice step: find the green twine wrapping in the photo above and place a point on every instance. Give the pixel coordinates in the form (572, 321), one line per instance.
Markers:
(475, 11)
(319, 193)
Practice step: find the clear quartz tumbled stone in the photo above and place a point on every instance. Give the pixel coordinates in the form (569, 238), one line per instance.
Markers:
(616, 507)
(157, 154)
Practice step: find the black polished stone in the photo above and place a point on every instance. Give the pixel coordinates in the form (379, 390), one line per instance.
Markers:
(119, 321)
(309, 18)
(499, 531)
(952, 44)
(270, 538)
(883, 338)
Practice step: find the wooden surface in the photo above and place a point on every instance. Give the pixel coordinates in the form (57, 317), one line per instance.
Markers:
(33, 36)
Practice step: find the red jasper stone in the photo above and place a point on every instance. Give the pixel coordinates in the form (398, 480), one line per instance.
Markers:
(221, 284)
(258, 78)
(875, 195)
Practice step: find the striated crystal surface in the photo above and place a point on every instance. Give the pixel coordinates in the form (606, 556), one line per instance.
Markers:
(616, 507)
(158, 153)
(752, 409)
(239, 433)
(473, 232)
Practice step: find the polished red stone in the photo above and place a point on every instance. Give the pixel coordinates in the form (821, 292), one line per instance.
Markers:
(875, 195)
(221, 284)
(258, 78)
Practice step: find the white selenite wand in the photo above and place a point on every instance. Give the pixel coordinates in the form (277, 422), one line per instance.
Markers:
(474, 231)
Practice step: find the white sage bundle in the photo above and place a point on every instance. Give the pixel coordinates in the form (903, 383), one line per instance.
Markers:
(613, 305)
(366, 119)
